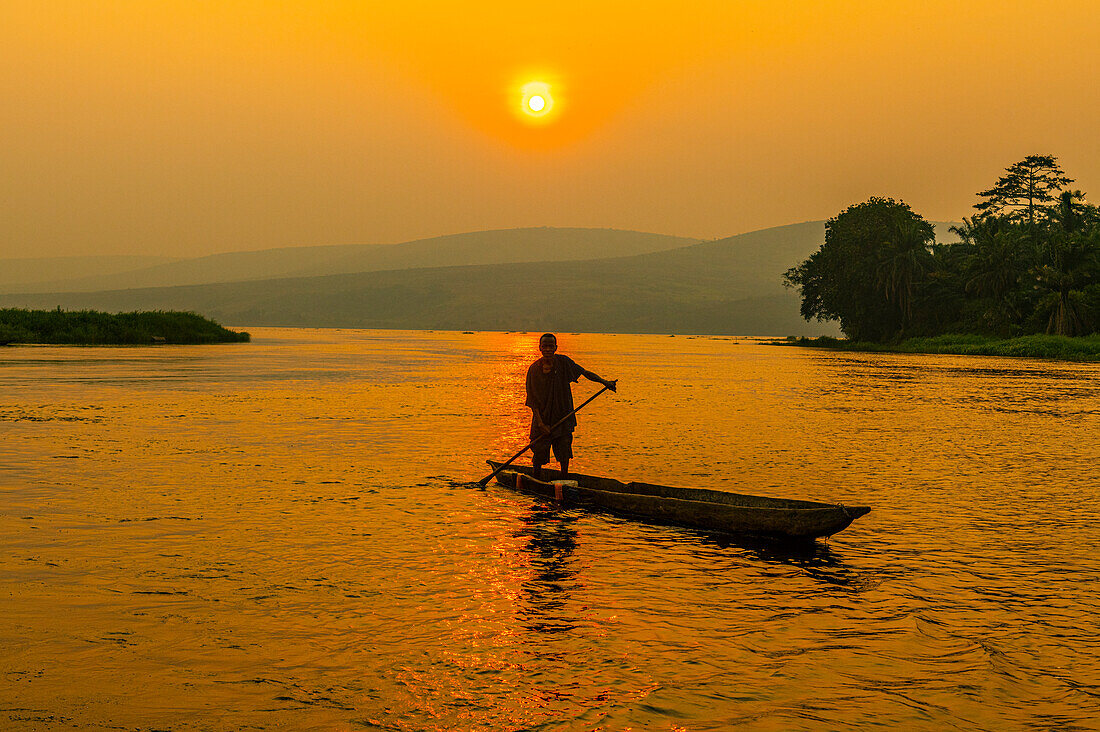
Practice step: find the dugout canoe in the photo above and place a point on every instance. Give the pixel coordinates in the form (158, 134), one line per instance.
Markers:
(700, 508)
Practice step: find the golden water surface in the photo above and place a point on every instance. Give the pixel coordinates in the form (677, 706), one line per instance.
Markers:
(283, 535)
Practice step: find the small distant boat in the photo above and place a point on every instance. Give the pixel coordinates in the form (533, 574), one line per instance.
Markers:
(700, 508)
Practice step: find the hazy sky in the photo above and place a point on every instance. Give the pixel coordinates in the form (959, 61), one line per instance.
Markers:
(190, 127)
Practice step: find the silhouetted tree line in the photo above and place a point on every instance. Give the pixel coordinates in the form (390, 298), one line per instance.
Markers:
(1028, 262)
(90, 327)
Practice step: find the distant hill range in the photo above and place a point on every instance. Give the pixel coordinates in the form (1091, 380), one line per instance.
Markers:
(38, 274)
(572, 280)
(479, 247)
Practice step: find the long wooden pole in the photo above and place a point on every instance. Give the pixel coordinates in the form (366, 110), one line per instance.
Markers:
(492, 475)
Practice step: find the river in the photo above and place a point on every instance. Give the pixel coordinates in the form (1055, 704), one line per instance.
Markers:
(283, 535)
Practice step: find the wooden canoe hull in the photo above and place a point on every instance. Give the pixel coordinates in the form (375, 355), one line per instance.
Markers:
(699, 508)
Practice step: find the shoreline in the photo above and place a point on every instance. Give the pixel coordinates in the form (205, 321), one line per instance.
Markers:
(1081, 349)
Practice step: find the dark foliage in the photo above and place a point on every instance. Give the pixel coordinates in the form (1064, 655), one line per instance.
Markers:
(89, 327)
(1028, 262)
(867, 274)
(1085, 348)
(1025, 191)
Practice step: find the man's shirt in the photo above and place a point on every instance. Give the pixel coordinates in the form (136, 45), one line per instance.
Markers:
(550, 394)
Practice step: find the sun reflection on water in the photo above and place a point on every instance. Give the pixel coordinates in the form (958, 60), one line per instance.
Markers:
(285, 532)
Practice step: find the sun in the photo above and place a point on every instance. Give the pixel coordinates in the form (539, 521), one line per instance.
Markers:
(536, 99)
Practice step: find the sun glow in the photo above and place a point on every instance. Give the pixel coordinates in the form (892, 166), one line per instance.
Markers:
(537, 99)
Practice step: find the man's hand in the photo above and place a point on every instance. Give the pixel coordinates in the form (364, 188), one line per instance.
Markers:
(610, 384)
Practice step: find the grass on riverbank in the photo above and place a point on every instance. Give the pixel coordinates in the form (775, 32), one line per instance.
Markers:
(1086, 348)
(93, 328)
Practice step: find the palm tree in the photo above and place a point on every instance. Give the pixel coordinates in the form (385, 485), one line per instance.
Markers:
(1071, 259)
(996, 262)
(904, 260)
(1071, 212)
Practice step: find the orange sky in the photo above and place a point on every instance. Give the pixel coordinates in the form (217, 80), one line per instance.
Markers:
(182, 127)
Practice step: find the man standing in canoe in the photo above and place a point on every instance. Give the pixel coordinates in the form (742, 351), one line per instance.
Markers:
(550, 397)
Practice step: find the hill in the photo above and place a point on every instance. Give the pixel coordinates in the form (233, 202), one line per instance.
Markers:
(36, 274)
(730, 286)
(480, 247)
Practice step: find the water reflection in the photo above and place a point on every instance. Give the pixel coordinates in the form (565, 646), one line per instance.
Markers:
(995, 386)
(816, 560)
(551, 542)
(330, 585)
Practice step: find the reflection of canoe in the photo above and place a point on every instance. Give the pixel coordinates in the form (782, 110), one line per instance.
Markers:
(700, 508)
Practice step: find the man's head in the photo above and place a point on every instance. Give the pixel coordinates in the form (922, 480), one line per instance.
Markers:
(548, 344)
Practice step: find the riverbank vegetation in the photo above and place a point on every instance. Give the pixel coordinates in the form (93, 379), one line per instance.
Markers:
(1085, 348)
(1027, 264)
(93, 328)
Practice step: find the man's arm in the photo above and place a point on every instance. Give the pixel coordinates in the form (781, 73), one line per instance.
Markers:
(539, 424)
(609, 383)
(576, 371)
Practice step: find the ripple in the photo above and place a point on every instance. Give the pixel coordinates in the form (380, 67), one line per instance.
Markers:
(303, 548)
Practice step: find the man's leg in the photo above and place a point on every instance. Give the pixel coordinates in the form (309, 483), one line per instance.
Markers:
(563, 450)
(540, 455)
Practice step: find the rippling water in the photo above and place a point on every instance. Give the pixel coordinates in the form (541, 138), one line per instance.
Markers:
(282, 535)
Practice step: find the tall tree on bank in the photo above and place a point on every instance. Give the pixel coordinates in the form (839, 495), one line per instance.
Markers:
(1030, 256)
(1069, 262)
(1026, 192)
(866, 274)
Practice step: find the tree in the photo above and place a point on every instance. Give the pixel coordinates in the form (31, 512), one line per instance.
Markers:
(1072, 213)
(1024, 193)
(1069, 266)
(993, 264)
(903, 261)
(875, 256)
(1029, 261)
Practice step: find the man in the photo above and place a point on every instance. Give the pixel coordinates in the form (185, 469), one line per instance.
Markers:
(550, 398)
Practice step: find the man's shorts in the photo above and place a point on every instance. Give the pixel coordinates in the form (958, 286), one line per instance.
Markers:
(562, 446)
